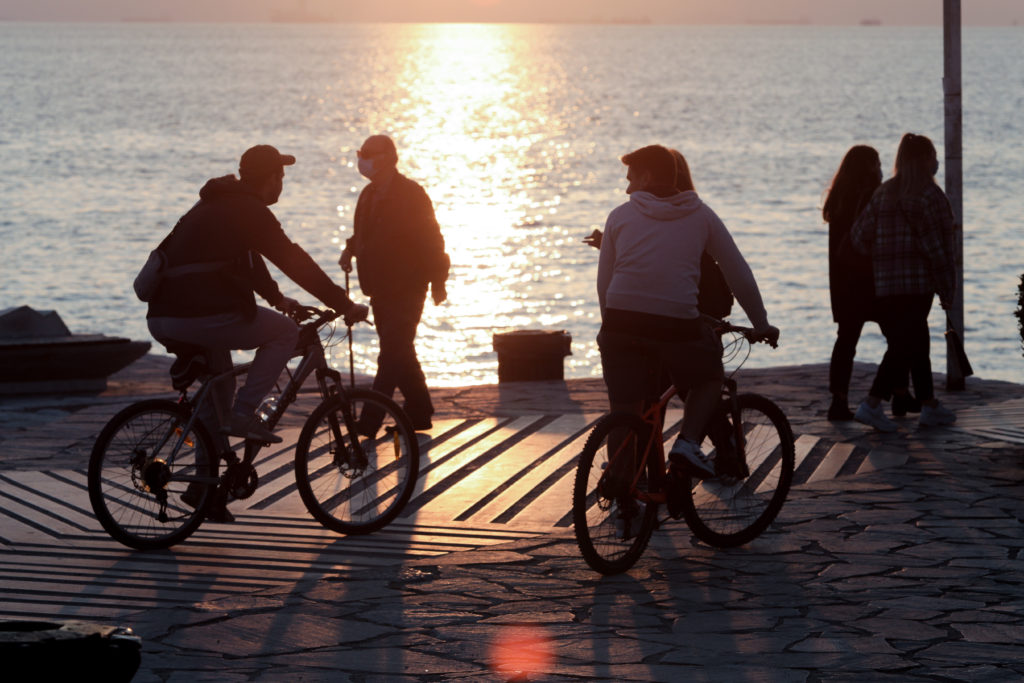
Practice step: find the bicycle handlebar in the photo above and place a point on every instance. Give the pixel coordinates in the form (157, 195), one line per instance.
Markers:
(316, 317)
(722, 327)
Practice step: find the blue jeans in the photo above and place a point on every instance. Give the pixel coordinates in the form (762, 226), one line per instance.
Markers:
(273, 335)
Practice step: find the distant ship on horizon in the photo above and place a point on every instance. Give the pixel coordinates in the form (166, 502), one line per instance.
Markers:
(870, 22)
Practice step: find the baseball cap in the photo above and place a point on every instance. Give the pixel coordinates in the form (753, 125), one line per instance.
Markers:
(263, 160)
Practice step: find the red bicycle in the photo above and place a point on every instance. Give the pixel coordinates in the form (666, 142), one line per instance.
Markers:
(621, 477)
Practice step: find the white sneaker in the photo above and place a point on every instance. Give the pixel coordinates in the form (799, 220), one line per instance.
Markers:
(687, 454)
(875, 417)
(936, 416)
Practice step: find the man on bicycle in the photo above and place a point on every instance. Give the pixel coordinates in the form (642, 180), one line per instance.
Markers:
(229, 229)
(647, 283)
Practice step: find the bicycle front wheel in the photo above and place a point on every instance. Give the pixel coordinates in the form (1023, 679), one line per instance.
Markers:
(732, 510)
(612, 527)
(357, 490)
(144, 493)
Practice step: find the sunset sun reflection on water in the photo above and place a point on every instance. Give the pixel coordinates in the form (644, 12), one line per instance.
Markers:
(515, 131)
(481, 139)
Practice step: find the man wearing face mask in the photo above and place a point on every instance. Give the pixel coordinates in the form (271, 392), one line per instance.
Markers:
(399, 252)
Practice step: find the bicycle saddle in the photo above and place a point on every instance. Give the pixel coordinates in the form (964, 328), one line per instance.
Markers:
(189, 365)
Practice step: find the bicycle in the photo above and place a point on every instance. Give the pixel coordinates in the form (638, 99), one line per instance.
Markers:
(615, 497)
(153, 472)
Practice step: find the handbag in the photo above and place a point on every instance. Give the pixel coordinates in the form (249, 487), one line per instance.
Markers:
(956, 346)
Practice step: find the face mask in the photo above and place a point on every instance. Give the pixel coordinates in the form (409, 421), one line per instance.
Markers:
(366, 168)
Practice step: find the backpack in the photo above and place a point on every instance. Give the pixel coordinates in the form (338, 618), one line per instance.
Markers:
(714, 297)
(155, 270)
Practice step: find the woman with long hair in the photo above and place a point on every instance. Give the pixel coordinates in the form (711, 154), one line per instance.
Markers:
(849, 273)
(907, 229)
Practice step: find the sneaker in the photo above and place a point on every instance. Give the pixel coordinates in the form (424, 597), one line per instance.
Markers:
(936, 416)
(905, 403)
(248, 427)
(875, 417)
(688, 455)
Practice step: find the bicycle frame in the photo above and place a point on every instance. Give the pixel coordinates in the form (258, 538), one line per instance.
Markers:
(312, 361)
(653, 418)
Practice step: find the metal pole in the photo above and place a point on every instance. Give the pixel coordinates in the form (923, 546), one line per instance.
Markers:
(951, 86)
(351, 357)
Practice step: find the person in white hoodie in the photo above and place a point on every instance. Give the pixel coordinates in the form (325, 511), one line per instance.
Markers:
(647, 283)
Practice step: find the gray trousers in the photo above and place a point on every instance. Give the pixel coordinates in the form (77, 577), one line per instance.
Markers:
(273, 335)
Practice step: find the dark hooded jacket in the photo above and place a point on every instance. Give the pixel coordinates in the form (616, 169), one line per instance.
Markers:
(232, 225)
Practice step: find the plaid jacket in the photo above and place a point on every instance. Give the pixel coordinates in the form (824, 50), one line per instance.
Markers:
(910, 241)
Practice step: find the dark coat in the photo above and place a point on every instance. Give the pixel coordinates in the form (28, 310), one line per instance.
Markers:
(231, 224)
(396, 240)
(850, 280)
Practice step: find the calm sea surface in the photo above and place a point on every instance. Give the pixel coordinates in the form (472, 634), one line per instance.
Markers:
(109, 130)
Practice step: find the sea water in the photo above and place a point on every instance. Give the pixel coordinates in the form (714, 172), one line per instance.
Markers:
(109, 130)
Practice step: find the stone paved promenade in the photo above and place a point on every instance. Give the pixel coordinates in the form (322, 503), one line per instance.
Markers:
(910, 572)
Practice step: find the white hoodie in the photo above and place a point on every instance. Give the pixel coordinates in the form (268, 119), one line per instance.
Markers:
(650, 258)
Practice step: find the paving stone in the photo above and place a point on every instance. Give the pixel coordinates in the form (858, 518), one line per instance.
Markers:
(188, 676)
(357, 663)
(991, 633)
(901, 629)
(284, 671)
(262, 634)
(867, 577)
(989, 616)
(972, 653)
(731, 621)
(608, 650)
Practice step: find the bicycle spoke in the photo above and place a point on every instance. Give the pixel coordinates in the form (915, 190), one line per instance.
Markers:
(726, 512)
(351, 498)
(136, 492)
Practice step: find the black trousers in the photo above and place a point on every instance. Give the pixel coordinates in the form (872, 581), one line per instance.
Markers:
(843, 352)
(396, 317)
(904, 322)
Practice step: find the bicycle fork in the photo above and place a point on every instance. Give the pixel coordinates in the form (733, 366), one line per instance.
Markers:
(738, 441)
(349, 455)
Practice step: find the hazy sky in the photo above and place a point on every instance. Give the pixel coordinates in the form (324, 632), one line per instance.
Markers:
(998, 12)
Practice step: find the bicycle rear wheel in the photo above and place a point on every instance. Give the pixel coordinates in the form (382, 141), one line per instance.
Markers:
(726, 512)
(136, 482)
(612, 527)
(348, 493)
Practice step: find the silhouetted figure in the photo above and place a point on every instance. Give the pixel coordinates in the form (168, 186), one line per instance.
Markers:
(850, 280)
(647, 283)
(713, 295)
(399, 252)
(230, 227)
(907, 228)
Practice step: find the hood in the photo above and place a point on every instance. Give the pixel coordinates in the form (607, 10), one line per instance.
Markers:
(670, 208)
(216, 188)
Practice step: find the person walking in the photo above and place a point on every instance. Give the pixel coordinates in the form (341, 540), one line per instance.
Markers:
(850, 280)
(399, 253)
(907, 229)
